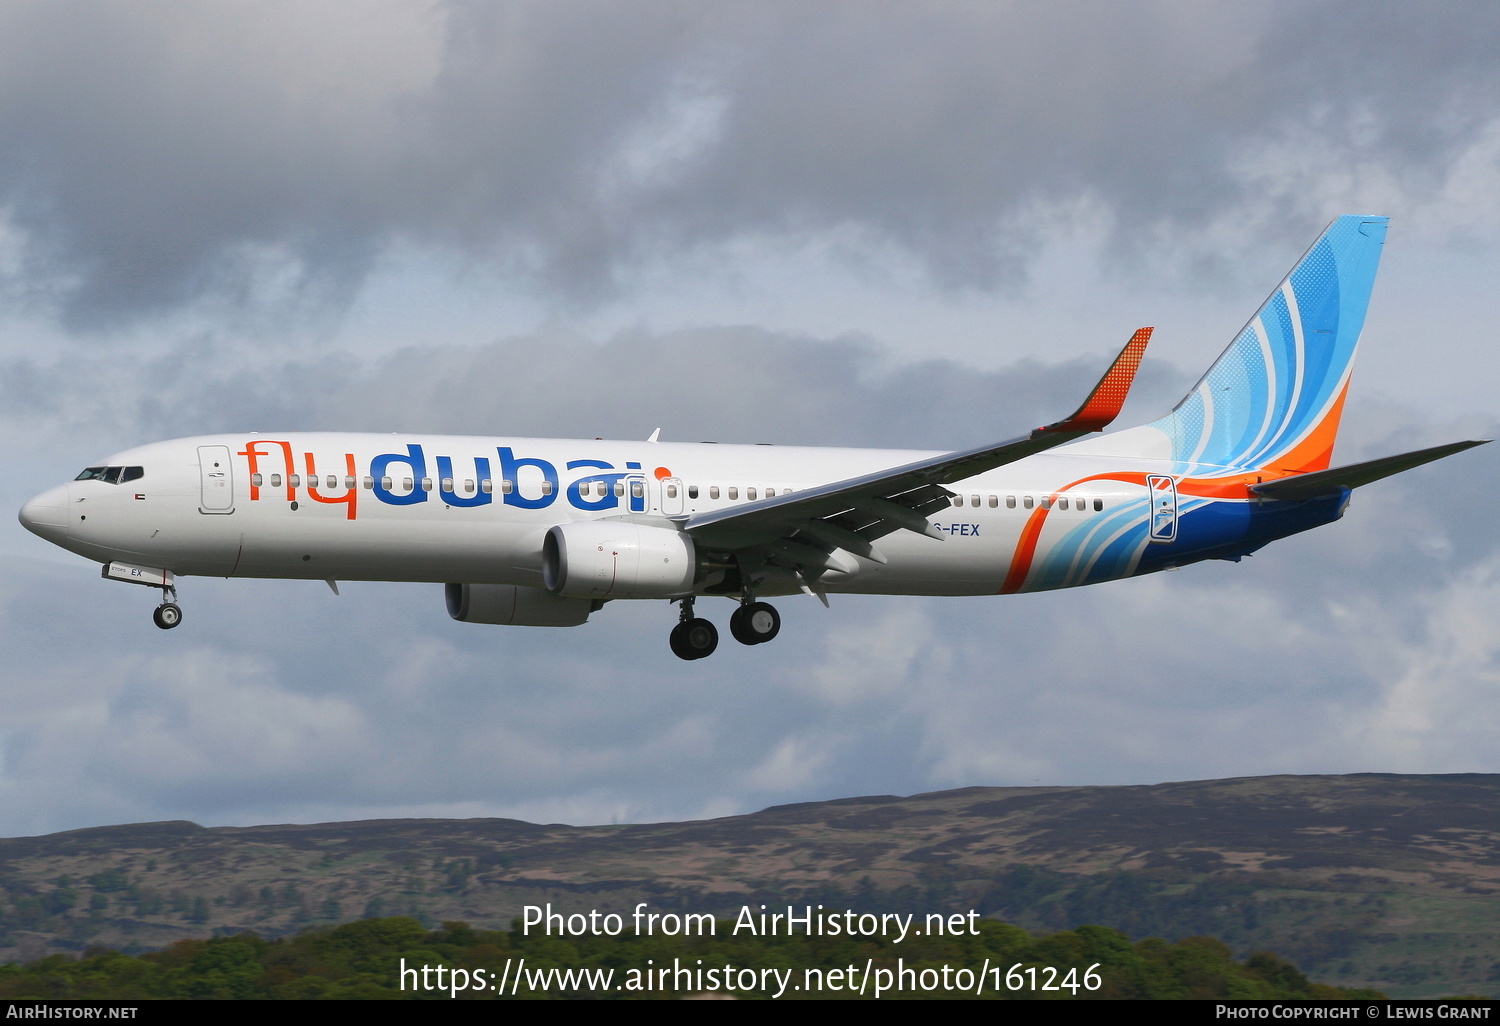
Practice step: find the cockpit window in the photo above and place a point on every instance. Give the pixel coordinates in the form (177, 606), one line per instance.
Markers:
(111, 475)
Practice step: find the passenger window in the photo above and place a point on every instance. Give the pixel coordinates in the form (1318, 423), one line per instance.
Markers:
(406, 484)
(546, 487)
(332, 482)
(958, 500)
(369, 483)
(486, 486)
(447, 484)
(1098, 504)
(349, 482)
(671, 491)
(1010, 502)
(750, 493)
(619, 488)
(713, 491)
(507, 486)
(468, 486)
(1062, 503)
(734, 493)
(692, 491)
(973, 500)
(1046, 502)
(256, 480)
(294, 480)
(385, 482)
(426, 484)
(770, 493)
(637, 489)
(1026, 501)
(994, 502)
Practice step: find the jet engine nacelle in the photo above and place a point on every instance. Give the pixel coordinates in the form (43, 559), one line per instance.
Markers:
(599, 559)
(516, 606)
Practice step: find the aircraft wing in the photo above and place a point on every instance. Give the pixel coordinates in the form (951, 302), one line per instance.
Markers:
(1327, 482)
(801, 530)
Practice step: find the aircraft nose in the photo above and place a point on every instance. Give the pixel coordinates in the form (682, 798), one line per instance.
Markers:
(47, 514)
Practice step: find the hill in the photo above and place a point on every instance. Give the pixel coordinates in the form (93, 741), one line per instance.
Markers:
(1367, 880)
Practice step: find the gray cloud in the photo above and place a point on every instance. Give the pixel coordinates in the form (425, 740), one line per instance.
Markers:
(1365, 645)
(165, 155)
(202, 161)
(732, 384)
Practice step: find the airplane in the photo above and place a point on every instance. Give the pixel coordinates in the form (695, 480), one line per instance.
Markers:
(544, 532)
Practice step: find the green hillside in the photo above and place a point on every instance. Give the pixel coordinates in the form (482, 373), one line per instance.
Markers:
(1383, 881)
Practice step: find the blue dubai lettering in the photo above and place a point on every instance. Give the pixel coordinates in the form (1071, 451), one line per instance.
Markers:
(380, 470)
(448, 487)
(606, 488)
(400, 479)
(510, 470)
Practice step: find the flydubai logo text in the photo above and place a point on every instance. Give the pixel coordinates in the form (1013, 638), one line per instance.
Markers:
(406, 478)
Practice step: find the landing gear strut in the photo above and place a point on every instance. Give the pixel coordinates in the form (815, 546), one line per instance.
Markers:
(754, 623)
(169, 613)
(693, 637)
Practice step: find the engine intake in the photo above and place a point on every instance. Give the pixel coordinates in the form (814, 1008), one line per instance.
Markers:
(601, 559)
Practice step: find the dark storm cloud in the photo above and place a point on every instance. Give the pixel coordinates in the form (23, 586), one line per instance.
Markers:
(738, 384)
(1365, 645)
(157, 155)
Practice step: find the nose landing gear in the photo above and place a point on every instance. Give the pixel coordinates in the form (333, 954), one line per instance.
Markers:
(169, 613)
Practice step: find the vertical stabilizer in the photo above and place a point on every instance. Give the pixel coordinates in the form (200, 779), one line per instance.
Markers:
(1273, 399)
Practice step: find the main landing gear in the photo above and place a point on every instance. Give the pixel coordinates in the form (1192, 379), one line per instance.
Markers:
(169, 613)
(754, 623)
(693, 637)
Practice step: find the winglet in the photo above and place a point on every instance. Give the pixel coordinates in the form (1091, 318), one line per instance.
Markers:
(1104, 402)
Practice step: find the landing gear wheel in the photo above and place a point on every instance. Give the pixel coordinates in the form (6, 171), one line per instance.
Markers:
(167, 615)
(755, 623)
(694, 639)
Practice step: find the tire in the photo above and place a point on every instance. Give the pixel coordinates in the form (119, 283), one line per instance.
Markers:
(167, 615)
(678, 640)
(755, 623)
(694, 639)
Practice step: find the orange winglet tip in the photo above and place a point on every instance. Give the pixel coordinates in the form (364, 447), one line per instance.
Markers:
(1105, 401)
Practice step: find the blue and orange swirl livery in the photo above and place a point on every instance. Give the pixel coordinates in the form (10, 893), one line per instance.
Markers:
(1268, 408)
(1272, 400)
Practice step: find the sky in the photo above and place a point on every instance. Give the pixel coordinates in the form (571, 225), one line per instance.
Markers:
(921, 225)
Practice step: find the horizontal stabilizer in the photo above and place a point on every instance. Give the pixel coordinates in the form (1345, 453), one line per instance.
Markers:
(1327, 482)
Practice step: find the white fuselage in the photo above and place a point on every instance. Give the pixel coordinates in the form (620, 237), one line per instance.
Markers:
(469, 509)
